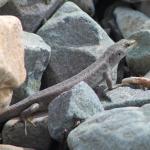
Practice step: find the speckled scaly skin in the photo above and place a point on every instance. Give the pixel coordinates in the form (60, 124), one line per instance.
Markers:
(92, 75)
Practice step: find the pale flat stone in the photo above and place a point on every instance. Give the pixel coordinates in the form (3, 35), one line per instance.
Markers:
(11, 147)
(12, 70)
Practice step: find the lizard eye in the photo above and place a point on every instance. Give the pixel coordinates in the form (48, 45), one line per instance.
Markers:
(127, 44)
(119, 53)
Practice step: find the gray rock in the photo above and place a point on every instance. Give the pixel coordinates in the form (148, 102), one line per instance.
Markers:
(76, 41)
(126, 96)
(3, 2)
(147, 75)
(134, 1)
(37, 54)
(37, 136)
(138, 59)
(86, 5)
(135, 25)
(117, 129)
(144, 7)
(130, 21)
(79, 103)
(31, 12)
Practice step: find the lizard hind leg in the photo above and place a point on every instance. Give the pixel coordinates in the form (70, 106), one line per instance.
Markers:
(25, 116)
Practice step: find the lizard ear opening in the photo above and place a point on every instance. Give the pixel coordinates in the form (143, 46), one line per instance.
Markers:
(119, 53)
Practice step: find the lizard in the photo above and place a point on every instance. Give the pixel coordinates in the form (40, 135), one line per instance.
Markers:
(92, 75)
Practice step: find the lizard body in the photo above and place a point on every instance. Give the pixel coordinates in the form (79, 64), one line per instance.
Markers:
(92, 75)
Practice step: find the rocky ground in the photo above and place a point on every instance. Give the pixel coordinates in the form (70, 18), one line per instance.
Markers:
(60, 38)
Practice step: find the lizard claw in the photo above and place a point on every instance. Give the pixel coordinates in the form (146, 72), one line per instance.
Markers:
(25, 121)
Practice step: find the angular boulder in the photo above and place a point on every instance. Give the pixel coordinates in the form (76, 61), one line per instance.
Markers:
(72, 106)
(31, 13)
(76, 41)
(116, 129)
(130, 21)
(37, 55)
(12, 68)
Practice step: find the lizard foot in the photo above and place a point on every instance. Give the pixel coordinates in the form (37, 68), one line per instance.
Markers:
(25, 115)
(29, 120)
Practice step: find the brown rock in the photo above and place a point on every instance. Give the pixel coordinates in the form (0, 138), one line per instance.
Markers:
(11, 147)
(12, 70)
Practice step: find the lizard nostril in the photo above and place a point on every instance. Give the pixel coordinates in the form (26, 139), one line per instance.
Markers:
(127, 44)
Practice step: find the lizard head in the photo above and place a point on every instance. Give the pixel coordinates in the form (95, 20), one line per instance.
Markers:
(119, 50)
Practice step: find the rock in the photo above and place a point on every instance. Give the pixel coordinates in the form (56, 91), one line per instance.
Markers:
(130, 21)
(86, 5)
(3, 2)
(11, 147)
(76, 41)
(138, 59)
(11, 53)
(117, 129)
(37, 135)
(144, 7)
(108, 22)
(147, 75)
(135, 25)
(77, 104)
(134, 1)
(31, 13)
(37, 54)
(126, 96)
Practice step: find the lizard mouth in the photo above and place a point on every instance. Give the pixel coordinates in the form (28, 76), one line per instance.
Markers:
(131, 43)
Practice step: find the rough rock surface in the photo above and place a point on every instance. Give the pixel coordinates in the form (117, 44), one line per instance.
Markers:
(86, 5)
(127, 96)
(11, 147)
(134, 1)
(117, 129)
(37, 133)
(144, 7)
(130, 21)
(3, 2)
(138, 59)
(76, 41)
(79, 103)
(11, 53)
(37, 55)
(31, 12)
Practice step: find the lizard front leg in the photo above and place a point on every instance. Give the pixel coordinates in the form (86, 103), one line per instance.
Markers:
(102, 89)
(108, 79)
(26, 114)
